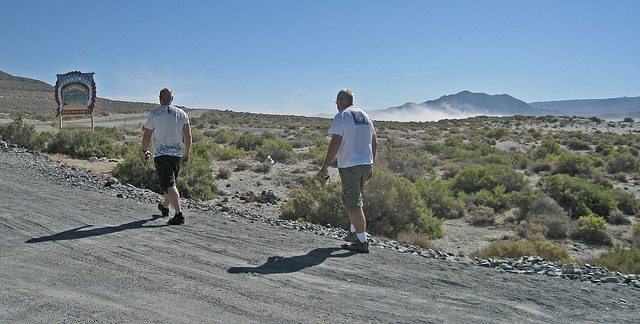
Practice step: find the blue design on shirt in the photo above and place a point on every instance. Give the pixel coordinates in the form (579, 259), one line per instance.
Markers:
(358, 118)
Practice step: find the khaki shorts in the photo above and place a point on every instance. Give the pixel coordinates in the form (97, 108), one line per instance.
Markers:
(353, 180)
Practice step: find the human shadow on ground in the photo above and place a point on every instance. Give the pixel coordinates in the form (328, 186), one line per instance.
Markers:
(78, 233)
(278, 264)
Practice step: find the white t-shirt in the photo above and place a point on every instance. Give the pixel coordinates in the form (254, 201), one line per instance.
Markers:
(356, 129)
(166, 122)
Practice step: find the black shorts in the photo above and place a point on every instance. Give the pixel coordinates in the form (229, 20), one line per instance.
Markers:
(167, 169)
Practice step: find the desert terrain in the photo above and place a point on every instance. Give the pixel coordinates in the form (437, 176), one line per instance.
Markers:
(460, 235)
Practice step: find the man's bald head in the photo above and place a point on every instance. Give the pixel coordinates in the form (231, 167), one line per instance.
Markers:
(166, 97)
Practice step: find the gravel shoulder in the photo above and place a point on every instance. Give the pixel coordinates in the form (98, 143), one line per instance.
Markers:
(71, 254)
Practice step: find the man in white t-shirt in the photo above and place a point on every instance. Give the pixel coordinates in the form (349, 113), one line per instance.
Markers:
(166, 125)
(353, 140)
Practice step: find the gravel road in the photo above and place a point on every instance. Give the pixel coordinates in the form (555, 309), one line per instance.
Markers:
(74, 255)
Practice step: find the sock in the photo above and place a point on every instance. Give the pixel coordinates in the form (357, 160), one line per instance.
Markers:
(362, 237)
(353, 229)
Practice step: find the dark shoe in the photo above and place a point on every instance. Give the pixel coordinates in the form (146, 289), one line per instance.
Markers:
(357, 246)
(178, 219)
(351, 237)
(165, 211)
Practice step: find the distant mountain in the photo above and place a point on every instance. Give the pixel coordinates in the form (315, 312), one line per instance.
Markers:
(468, 104)
(460, 105)
(614, 108)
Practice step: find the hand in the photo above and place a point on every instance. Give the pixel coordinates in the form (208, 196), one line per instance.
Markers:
(146, 155)
(322, 175)
(370, 174)
(185, 158)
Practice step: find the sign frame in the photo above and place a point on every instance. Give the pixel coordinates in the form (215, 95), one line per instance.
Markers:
(75, 95)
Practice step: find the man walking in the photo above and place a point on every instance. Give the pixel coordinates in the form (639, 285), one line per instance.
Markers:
(354, 141)
(167, 124)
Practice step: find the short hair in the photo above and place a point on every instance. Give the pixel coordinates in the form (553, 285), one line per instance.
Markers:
(166, 95)
(346, 95)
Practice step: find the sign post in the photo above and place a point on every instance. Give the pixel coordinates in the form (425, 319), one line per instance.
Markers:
(75, 95)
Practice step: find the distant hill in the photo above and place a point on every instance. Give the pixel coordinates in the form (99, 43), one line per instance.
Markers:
(34, 98)
(468, 104)
(460, 105)
(614, 108)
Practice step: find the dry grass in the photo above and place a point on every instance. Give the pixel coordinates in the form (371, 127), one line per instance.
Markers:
(416, 239)
(103, 168)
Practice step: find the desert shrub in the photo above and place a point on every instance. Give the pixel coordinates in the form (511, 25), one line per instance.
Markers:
(578, 145)
(224, 173)
(439, 198)
(279, 150)
(137, 172)
(19, 133)
(621, 177)
(547, 148)
(542, 215)
(196, 179)
(519, 161)
(531, 231)
(242, 165)
(497, 133)
(618, 162)
(629, 149)
(604, 149)
(621, 259)
(268, 135)
(394, 205)
(83, 144)
(517, 249)
(203, 149)
(475, 178)
(409, 165)
(249, 142)
(315, 154)
(617, 217)
(222, 136)
(575, 165)
(262, 167)
(482, 215)
(629, 120)
(453, 141)
(228, 153)
(416, 239)
(578, 196)
(433, 147)
(196, 136)
(593, 229)
(541, 166)
(635, 236)
(494, 158)
(316, 202)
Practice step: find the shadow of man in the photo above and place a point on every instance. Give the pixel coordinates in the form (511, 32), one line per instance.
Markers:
(78, 233)
(278, 264)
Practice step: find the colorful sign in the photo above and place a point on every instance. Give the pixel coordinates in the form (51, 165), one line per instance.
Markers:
(75, 93)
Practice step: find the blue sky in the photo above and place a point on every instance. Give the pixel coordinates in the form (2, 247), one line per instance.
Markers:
(292, 57)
